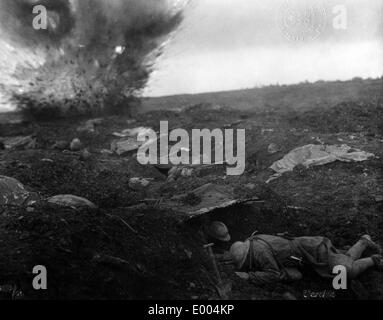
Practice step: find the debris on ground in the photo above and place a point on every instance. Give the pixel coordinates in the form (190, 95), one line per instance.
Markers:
(273, 148)
(76, 145)
(61, 145)
(211, 197)
(233, 124)
(13, 192)
(68, 200)
(132, 139)
(121, 147)
(133, 133)
(106, 152)
(90, 125)
(317, 155)
(47, 160)
(197, 170)
(19, 143)
(138, 183)
(85, 155)
(180, 171)
(250, 186)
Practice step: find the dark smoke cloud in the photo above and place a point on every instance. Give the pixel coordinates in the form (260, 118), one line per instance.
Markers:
(93, 52)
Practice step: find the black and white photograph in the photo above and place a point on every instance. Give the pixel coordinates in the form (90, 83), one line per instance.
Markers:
(213, 152)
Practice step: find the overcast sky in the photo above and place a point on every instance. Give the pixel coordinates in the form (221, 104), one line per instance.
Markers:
(233, 44)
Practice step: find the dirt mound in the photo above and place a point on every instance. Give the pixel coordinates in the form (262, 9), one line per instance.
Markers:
(83, 253)
(343, 117)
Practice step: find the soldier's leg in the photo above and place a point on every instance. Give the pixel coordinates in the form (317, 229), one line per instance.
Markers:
(364, 242)
(360, 266)
(356, 251)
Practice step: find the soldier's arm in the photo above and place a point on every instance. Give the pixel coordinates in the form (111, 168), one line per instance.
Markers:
(268, 270)
(265, 277)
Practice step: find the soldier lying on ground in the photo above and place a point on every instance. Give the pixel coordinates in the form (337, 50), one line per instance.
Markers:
(267, 258)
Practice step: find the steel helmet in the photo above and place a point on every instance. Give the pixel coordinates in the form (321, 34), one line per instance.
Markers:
(218, 230)
(239, 251)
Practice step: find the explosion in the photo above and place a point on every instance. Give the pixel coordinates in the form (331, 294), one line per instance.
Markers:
(94, 53)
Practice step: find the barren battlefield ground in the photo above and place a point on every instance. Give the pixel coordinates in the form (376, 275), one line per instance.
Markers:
(163, 255)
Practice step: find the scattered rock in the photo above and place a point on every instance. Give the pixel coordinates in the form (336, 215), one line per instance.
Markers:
(235, 123)
(122, 147)
(250, 186)
(187, 172)
(75, 145)
(68, 200)
(273, 148)
(133, 133)
(317, 139)
(20, 143)
(96, 122)
(13, 192)
(85, 155)
(86, 128)
(138, 183)
(89, 126)
(106, 152)
(179, 171)
(61, 145)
